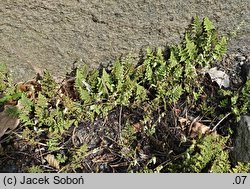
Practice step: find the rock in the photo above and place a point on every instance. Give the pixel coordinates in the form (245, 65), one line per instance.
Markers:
(54, 34)
(220, 77)
(241, 151)
(245, 71)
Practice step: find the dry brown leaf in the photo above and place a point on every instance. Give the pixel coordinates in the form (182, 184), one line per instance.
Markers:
(29, 87)
(184, 122)
(52, 161)
(138, 127)
(198, 128)
(67, 88)
(7, 122)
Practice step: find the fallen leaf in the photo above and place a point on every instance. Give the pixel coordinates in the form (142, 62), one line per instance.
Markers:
(220, 77)
(198, 128)
(7, 122)
(29, 87)
(137, 127)
(68, 88)
(52, 161)
(184, 122)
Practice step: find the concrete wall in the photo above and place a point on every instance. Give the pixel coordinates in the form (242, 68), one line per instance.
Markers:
(52, 34)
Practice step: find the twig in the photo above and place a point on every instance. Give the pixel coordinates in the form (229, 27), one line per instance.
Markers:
(120, 120)
(220, 121)
(73, 137)
(40, 154)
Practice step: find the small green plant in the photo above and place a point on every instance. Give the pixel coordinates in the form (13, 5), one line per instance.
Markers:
(196, 160)
(7, 89)
(207, 154)
(35, 169)
(48, 85)
(76, 159)
(238, 101)
(45, 111)
(53, 143)
(61, 158)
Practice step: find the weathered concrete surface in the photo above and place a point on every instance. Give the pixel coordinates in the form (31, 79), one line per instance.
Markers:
(38, 34)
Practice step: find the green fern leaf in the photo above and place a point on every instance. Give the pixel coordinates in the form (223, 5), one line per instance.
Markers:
(220, 49)
(25, 106)
(197, 27)
(208, 25)
(107, 81)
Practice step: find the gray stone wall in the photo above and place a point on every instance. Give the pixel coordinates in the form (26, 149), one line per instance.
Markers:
(52, 34)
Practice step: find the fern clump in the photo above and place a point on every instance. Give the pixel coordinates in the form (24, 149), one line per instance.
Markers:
(238, 100)
(48, 109)
(140, 115)
(167, 80)
(7, 89)
(207, 154)
(206, 46)
(48, 85)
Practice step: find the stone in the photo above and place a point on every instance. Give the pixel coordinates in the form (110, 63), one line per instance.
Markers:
(241, 150)
(54, 34)
(245, 71)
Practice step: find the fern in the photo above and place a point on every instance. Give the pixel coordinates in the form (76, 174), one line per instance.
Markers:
(155, 67)
(106, 83)
(41, 109)
(48, 85)
(208, 25)
(26, 106)
(81, 85)
(200, 154)
(221, 164)
(118, 74)
(197, 28)
(241, 167)
(220, 49)
(244, 98)
(238, 101)
(209, 148)
(77, 158)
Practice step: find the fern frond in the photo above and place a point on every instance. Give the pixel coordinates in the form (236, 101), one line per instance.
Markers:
(41, 109)
(25, 106)
(48, 85)
(220, 49)
(81, 85)
(197, 27)
(208, 25)
(107, 82)
(190, 48)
